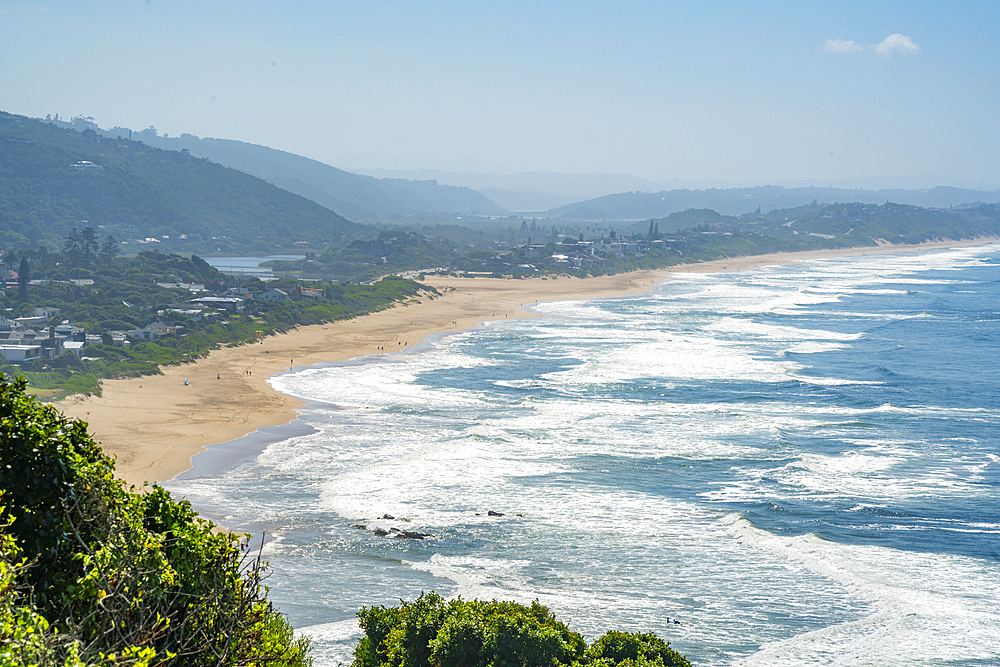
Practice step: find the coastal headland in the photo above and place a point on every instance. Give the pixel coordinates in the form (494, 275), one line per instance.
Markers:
(155, 424)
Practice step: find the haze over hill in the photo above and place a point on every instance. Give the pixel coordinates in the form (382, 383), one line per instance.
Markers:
(393, 194)
(356, 196)
(528, 191)
(538, 192)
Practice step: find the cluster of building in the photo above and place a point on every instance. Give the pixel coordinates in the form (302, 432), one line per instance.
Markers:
(33, 337)
(29, 338)
(585, 254)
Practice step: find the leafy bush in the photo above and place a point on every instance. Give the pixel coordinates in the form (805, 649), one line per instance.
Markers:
(620, 648)
(93, 573)
(433, 632)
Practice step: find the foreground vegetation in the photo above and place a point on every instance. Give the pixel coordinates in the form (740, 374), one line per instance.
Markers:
(92, 573)
(433, 632)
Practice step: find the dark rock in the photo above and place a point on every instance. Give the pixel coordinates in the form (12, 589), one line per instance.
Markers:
(360, 526)
(388, 516)
(492, 513)
(380, 532)
(411, 535)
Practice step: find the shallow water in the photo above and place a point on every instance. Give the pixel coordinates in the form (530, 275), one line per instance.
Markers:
(800, 463)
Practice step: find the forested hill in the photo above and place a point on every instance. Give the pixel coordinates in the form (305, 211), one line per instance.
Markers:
(839, 225)
(737, 201)
(135, 191)
(353, 195)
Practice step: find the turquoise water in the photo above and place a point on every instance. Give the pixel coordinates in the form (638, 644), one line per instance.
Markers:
(242, 267)
(800, 463)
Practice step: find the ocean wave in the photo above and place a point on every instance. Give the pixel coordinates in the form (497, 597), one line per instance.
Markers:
(930, 608)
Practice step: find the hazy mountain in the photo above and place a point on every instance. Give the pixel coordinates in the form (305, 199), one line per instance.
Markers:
(448, 198)
(527, 200)
(354, 195)
(528, 191)
(737, 201)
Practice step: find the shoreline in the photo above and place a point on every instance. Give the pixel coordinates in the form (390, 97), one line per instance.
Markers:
(155, 425)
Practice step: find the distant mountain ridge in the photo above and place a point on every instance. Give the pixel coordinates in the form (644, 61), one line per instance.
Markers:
(390, 197)
(737, 201)
(528, 191)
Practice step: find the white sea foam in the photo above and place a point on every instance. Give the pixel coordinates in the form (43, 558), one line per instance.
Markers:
(333, 643)
(615, 430)
(775, 332)
(811, 347)
(929, 608)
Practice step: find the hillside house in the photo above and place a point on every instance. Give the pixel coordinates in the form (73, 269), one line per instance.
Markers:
(31, 321)
(111, 338)
(86, 165)
(232, 304)
(155, 331)
(50, 344)
(46, 312)
(275, 295)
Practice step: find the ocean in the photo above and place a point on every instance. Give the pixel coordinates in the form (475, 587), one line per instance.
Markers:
(799, 463)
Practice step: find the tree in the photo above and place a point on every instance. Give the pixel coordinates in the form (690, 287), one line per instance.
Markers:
(74, 248)
(90, 244)
(23, 278)
(109, 250)
(432, 632)
(205, 270)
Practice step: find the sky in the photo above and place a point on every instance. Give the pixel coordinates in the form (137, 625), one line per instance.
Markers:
(723, 93)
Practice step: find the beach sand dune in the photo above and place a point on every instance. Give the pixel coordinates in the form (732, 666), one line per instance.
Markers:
(154, 425)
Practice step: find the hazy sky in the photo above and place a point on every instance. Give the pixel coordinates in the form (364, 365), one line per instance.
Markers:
(741, 91)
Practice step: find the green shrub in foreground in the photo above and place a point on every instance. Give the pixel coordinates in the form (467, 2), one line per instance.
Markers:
(433, 632)
(94, 574)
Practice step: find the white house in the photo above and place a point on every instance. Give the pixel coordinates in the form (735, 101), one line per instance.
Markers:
(86, 165)
(17, 353)
(274, 295)
(44, 312)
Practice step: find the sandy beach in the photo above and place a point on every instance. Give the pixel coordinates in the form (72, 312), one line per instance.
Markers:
(154, 425)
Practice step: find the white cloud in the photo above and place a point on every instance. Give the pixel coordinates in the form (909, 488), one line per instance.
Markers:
(897, 45)
(842, 46)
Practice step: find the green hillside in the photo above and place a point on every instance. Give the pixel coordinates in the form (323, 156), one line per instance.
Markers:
(867, 224)
(839, 225)
(740, 201)
(136, 192)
